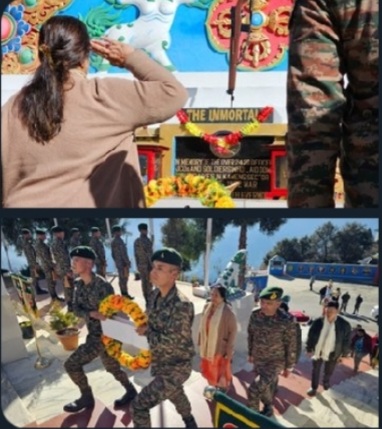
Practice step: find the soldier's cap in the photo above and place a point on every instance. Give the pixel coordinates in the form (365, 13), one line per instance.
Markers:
(74, 230)
(271, 293)
(25, 231)
(94, 229)
(83, 252)
(169, 256)
(116, 228)
(56, 229)
(142, 226)
(40, 231)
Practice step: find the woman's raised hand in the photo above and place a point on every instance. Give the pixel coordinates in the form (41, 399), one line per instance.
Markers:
(113, 51)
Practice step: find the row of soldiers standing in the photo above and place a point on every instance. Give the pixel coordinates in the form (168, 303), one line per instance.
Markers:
(54, 260)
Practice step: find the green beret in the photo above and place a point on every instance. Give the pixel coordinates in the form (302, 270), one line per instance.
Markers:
(56, 229)
(40, 231)
(272, 293)
(142, 226)
(94, 229)
(25, 231)
(116, 228)
(169, 256)
(83, 252)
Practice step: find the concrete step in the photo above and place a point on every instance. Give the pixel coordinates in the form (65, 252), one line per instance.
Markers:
(12, 406)
(347, 404)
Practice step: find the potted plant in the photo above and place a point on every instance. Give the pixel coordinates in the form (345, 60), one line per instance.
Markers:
(26, 330)
(65, 326)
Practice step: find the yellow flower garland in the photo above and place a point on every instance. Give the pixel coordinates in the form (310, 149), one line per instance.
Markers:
(112, 305)
(210, 192)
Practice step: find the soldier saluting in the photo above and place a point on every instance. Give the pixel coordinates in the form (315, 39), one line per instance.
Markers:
(90, 290)
(62, 263)
(121, 260)
(99, 249)
(272, 348)
(169, 334)
(26, 242)
(143, 251)
(44, 259)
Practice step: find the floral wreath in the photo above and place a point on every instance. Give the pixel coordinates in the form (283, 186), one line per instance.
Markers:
(209, 191)
(111, 305)
(222, 144)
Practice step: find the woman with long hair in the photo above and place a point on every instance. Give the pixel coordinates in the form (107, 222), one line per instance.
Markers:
(67, 141)
(217, 334)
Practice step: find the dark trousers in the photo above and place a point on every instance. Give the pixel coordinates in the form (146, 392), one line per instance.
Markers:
(328, 371)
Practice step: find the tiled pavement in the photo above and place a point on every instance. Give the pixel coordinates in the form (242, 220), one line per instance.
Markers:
(44, 392)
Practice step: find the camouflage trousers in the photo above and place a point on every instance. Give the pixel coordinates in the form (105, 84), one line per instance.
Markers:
(123, 276)
(147, 287)
(166, 385)
(68, 287)
(328, 121)
(263, 387)
(86, 353)
(50, 283)
(100, 269)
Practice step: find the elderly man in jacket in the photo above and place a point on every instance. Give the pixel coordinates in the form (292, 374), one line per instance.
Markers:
(328, 340)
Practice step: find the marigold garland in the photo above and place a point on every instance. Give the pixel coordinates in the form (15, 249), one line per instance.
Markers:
(209, 191)
(223, 143)
(112, 305)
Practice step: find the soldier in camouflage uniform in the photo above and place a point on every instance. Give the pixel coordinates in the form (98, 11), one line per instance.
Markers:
(331, 40)
(169, 334)
(44, 259)
(272, 348)
(62, 263)
(99, 249)
(143, 251)
(90, 290)
(75, 238)
(121, 259)
(29, 251)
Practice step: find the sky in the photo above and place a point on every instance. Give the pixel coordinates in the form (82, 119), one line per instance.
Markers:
(258, 244)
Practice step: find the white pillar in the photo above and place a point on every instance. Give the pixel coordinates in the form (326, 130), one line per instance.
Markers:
(207, 255)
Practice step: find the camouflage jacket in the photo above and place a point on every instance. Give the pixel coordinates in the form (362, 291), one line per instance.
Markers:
(87, 298)
(169, 331)
(29, 251)
(61, 256)
(74, 242)
(119, 253)
(272, 339)
(96, 244)
(143, 251)
(43, 256)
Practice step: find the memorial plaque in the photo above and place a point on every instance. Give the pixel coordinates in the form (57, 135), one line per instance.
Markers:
(251, 166)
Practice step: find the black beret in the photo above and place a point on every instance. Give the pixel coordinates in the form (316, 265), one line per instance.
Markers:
(25, 231)
(74, 230)
(272, 293)
(142, 226)
(83, 252)
(116, 228)
(40, 231)
(94, 229)
(56, 229)
(169, 256)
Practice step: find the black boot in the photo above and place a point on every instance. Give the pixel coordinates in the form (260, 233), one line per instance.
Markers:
(70, 307)
(130, 394)
(128, 296)
(85, 401)
(267, 411)
(40, 291)
(190, 422)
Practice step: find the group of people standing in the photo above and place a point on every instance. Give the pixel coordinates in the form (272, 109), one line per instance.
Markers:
(53, 259)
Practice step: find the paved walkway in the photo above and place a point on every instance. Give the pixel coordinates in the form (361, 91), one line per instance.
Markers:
(34, 398)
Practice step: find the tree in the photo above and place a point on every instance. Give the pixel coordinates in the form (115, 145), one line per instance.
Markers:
(322, 241)
(289, 249)
(353, 242)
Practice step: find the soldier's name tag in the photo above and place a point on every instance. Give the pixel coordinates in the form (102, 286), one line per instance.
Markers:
(123, 330)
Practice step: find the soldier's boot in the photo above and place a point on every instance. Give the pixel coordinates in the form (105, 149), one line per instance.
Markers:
(127, 295)
(84, 402)
(190, 422)
(267, 411)
(39, 290)
(130, 394)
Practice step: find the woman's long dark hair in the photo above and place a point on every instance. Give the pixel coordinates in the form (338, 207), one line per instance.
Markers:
(63, 44)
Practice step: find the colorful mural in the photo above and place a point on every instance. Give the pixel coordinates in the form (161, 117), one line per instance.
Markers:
(182, 35)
